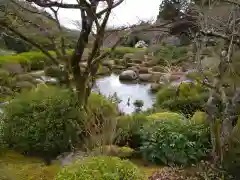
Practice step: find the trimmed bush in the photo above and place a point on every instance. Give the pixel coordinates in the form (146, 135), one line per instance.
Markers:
(100, 168)
(43, 122)
(199, 117)
(186, 99)
(167, 116)
(31, 60)
(174, 142)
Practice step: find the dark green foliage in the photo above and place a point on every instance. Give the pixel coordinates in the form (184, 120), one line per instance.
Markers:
(101, 168)
(170, 9)
(171, 55)
(187, 98)
(43, 122)
(128, 128)
(232, 156)
(174, 141)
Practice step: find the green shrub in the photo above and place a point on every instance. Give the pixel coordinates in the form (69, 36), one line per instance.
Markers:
(2, 142)
(166, 116)
(128, 128)
(186, 99)
(100, 168)
(44, 121)
(31, 60)
(174, 142)
(199, 117)
(232, 156)
(100, 106)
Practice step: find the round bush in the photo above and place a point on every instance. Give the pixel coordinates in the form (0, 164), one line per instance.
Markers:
(167, 116)
(128, 128)
(100, 168)
(199, 117)
(187, 98)
(174, 142)
(43, 122)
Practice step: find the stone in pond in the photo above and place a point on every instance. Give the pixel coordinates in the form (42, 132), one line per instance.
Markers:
(128, 75)
(145, 77)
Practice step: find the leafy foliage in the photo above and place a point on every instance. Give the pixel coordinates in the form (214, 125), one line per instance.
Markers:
(128, 128)
(101, 168)
(174, 141)
(44, 122)
(29, 60)
(232, 156)
(187, 98)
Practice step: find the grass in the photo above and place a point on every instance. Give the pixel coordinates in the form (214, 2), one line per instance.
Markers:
(17, 167)
(14, 166)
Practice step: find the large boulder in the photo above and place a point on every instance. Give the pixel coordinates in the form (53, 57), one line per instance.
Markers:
(145, 77)
(13, 68)
(143, 70)
(128, 75)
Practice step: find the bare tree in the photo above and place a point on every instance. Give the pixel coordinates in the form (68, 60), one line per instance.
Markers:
(220, 20)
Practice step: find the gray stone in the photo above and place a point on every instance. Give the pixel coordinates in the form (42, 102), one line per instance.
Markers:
(128, 75)
(145, 77)
(13, 68)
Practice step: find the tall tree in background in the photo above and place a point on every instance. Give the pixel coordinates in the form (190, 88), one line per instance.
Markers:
(170, 9)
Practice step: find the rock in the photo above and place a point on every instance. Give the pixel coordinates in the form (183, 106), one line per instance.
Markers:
(132, 65)
(129, 56)
(174, 77)
(118, 67)
(156, 76)
(145, 77)
(37, 74)
(141, 44)
(143, 70)
(156, 86)
(69, 157)
(128, 75)
(108, 63)
(137, 61)
(24, 85)
(13, 68)
(158, 69)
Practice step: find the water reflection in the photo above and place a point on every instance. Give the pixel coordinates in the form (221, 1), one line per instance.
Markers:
(111, 84)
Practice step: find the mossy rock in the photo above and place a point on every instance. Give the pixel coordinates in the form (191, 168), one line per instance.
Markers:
(113, 150)
(143, 70)
(21, 85)
(103, 70)
(167, 116)
(25, 77)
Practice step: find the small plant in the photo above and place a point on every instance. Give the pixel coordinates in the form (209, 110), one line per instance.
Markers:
(101, 168)
(169, 141)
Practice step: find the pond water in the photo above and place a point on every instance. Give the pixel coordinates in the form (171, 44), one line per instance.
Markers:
(111, 84)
